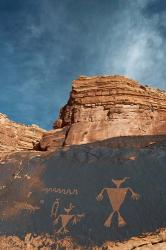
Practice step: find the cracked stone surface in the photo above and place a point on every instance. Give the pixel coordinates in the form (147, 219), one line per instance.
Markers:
(155, 241)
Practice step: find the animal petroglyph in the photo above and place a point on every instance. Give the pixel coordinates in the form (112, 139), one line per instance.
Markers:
(65, 218)
(25, 206)
(117, 196)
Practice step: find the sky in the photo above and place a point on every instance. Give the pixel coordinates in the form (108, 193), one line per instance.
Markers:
(45, 44)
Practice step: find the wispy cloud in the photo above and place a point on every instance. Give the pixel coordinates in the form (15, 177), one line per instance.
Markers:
(134, 46)
(46, 44)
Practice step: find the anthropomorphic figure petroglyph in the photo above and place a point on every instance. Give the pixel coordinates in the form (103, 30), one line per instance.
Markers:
(64, 219)
(117, 196)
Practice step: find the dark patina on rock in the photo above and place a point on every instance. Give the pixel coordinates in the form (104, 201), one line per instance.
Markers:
(94, 192)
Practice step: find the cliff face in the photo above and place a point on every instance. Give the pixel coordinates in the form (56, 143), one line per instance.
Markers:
(16, 137)
(104, 195)
(103, 107)
(107, 192)
(99, 108)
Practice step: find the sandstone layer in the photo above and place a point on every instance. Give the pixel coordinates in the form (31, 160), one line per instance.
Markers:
(133, 119)
(155, 241)
(16, 137)
(103, 107)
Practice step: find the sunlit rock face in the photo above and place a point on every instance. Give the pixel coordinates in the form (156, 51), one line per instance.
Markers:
(155, 241)
(15, 136)
(108, 189)
(103, 107)
(53, 139)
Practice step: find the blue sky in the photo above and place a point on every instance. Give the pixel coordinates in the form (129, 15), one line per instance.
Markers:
(45, 44)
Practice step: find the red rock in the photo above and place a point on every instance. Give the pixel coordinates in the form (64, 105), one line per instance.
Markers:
(153, 241)
(53, 139)
(16, 137)
(103, 107)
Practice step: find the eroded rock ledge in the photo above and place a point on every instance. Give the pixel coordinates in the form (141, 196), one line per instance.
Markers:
(99, 108)
(16, 137)
(155, 241)
(103, 107)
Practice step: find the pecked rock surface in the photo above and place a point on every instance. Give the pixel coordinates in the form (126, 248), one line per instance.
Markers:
(16, 137)
(103, 107)
(47, 197)
(109, 193)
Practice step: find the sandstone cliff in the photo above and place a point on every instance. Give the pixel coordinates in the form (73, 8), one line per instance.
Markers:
(132, 118)
(16, 137)
(103, 107)
(99, 108)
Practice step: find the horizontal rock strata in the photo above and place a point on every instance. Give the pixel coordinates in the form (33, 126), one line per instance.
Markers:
(16, 137)
(103, 107)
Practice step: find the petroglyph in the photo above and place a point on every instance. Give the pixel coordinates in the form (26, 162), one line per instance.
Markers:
(28, 177)
(25, 206)
(117, 196)
(3, 204)
(29, 194)
(2, 187)
(64, 219)
(17, 174)
(64, 191)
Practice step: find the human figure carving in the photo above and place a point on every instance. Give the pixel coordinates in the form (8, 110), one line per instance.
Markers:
(64, 218)
(117, 196)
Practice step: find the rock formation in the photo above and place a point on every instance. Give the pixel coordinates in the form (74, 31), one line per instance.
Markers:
(123, 125)
(99, 108)
(33, 186)
(16, 137)
(53, 139)
(155, 241)
(103, 107)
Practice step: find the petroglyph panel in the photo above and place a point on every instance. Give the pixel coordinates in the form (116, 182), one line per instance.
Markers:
(91, 193)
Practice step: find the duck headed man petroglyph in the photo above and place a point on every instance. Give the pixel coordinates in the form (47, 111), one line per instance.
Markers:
(65, 218)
